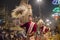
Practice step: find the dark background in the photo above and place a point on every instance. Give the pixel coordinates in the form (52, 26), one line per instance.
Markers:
(46, 7)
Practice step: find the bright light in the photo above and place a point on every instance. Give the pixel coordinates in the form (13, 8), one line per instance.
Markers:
(56, 14)
(47, 20)
(48, 24)
(53, 15)
(39, 0)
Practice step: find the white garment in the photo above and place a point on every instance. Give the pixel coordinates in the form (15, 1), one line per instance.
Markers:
(31, 27)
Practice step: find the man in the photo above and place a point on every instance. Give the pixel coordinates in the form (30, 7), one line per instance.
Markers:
(31, 28)
(43, 31)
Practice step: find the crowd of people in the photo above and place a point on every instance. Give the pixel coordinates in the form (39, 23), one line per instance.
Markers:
(32, 28)
(32, 31)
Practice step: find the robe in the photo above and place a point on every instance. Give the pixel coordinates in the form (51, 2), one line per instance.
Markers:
(34, 29)
(27, 25)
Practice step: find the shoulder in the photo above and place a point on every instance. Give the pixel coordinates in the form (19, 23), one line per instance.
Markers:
(27, 22)
(35, 24)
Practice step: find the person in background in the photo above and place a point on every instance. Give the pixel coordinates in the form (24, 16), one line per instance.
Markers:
(43, 30)
(31, 28)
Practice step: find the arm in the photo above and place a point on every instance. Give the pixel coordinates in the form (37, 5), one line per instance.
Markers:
(23, 25)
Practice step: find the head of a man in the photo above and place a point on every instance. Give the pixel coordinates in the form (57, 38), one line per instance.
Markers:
(30, 18)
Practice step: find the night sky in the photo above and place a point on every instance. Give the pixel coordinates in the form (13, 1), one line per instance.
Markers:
(45, 7)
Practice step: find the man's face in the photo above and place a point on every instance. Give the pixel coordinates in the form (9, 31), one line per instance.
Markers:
(30, 19)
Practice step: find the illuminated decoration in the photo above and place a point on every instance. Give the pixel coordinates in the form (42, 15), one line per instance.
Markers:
(59, 14)
(39, 0)
(47, 20)
(56, 16)
(57, 9)
(58, 1)
(56, 13)
(55, 2)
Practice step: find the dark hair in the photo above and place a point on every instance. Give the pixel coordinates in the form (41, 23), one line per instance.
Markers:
(30, 16)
